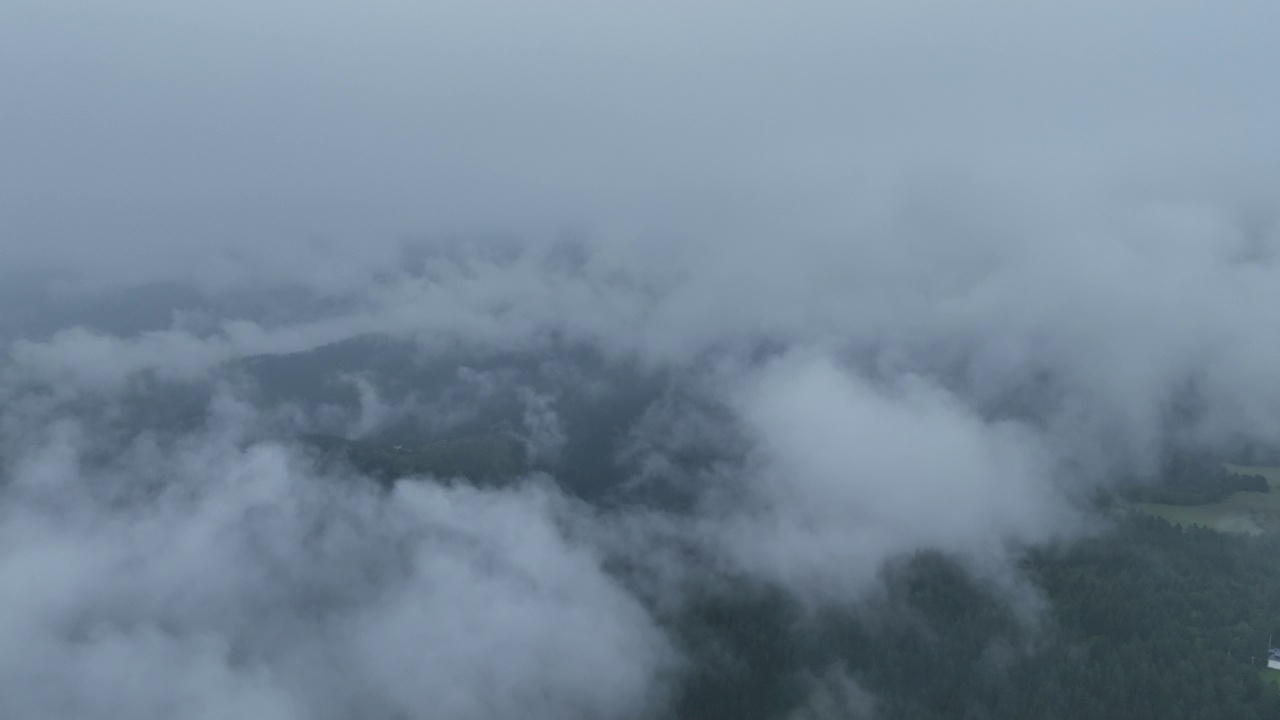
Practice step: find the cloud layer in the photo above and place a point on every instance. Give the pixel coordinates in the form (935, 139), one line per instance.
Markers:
(249, 583)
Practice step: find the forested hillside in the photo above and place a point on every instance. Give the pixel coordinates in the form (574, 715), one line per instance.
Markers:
(1145, 621)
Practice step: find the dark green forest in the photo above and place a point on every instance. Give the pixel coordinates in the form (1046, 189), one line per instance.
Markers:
(483, 458)
(1144, 621)
(1198, 480)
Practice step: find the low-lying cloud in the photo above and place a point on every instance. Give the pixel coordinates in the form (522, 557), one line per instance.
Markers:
(251, 583)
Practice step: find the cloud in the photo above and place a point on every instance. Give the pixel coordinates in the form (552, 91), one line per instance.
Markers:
(249, 583)
(544, 436)
(835, 695)
(844, 474)
(303, 143)
(1097, 327)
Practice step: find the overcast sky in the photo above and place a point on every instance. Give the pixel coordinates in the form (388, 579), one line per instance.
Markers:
(145, 138)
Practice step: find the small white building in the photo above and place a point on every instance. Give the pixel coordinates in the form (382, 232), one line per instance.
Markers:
(1273, 658)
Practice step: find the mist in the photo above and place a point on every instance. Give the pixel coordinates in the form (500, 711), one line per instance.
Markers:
(761, 295)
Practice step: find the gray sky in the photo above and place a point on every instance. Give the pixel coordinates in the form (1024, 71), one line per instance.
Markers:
(149, 138)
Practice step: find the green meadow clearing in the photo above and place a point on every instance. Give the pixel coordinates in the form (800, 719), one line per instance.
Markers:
(1243, 512)
(1270, 676)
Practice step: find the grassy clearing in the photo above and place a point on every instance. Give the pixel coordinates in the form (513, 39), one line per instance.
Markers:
(1216, 516)
(1244, 512)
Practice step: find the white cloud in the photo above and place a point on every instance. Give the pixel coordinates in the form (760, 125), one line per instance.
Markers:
(250, 584)
(845, 474)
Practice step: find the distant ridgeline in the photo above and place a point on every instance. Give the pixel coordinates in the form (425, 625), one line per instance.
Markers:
(1192, 481)
(484, 458)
